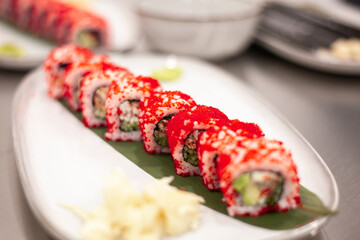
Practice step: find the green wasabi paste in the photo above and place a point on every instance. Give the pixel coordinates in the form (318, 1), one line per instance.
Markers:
(11, 50)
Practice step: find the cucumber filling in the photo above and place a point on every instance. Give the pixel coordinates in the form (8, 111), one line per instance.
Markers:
(160, 131)
(129, 117)
(99, 102)
(190, 148)
(89, 38)
(259, 187)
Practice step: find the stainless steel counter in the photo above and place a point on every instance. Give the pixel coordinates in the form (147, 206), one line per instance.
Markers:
(324, 108)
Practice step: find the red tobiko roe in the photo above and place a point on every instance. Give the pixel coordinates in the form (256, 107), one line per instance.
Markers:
(57, 62)
(233, 127)
(199, 117)
(185, 120)
(156, 101)
(213, 140)
(155, 107)
(127, 88)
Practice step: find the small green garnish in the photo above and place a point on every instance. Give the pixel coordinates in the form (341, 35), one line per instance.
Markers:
(170, 71)
(167, 74)
(11, 50)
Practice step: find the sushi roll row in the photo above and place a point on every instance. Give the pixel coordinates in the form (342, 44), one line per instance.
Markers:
(255, 174)
(57, 21)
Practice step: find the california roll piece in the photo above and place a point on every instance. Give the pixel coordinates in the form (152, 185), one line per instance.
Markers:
(88, 30)
(56, 64)
(93, 92)
(213, 140)
(58, 21)
(257, 176)
(155, 113)
(183, 131)
(75, 74)
(123, 106)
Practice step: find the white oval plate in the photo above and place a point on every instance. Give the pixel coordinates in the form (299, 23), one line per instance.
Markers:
(124, 35)
(62, 162)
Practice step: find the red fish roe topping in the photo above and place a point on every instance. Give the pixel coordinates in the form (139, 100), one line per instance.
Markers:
(104, 71)
(214, 139)
(76, 72)
(66, 53)
(154, 108)
(156, 104)
(186, 121)
(199, 117)
(139, 83)
(217, 136)
(56, 64)
(129, 88)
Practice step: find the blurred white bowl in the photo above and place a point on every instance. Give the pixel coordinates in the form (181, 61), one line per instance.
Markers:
(210, 29)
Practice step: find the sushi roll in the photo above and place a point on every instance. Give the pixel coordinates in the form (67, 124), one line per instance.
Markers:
(36, 21)
(64, 20)
(40, 23)
(88, 30)
(123, 107)
(80, 27)
(5, 8)
(183, 131)
(75, 74)
(258, 176)
(53, 20)
(214, 139)
(24, 12)
(93, 92)
(56, 64)
(155, 113)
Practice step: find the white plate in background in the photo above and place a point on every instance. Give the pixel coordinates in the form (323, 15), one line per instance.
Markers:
(306, 58)
(62, 162)
(123, 29)
(335, 10)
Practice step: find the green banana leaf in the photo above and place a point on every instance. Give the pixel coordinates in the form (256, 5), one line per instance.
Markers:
(161, 165)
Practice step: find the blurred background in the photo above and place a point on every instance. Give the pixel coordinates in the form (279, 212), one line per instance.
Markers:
(302, 57)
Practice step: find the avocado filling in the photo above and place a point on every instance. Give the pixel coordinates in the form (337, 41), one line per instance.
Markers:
(190, 148)
(160, 131)
(89, 38)
(99, 102)
(259, 187)
(129, 117)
